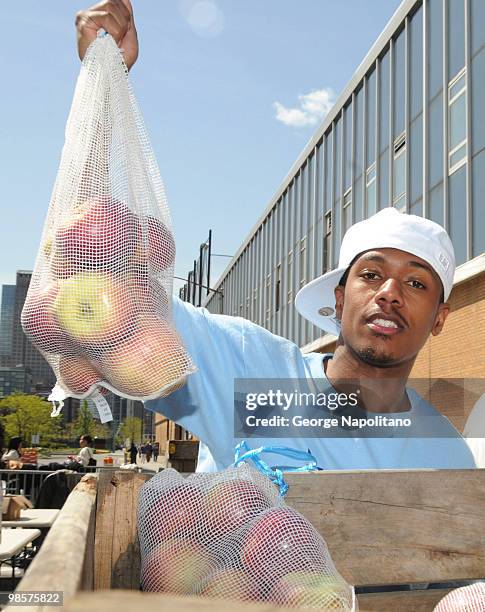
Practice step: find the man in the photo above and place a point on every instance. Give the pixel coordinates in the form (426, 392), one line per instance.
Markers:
(386, 296)
(85, 456)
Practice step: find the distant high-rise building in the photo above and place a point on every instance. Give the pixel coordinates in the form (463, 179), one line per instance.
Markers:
(6, 324)
(15, 380)
(23, 352)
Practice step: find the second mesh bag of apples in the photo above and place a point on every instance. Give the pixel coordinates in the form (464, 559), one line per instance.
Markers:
(229, 535)
(99, 303)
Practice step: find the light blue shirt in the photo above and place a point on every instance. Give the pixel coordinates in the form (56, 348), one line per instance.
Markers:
(226, 348)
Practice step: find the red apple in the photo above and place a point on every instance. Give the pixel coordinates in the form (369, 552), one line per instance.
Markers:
(282, 541)
(231, 584)
(40, 324)
(230, 505)
(77, 374)
(102, 234)
(156, 246)
(150, 361)
(176, 566)
(95, 309)
(312, 590)
(169, 513)
(149, 296)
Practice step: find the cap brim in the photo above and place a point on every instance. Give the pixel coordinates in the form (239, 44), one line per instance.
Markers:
(316, 301)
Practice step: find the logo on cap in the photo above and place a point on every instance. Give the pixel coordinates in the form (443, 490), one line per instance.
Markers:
(444, 261)
(326, 311)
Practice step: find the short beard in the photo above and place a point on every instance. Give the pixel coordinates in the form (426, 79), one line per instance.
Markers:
(379, 360)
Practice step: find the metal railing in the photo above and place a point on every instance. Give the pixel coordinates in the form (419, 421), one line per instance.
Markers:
(29, 482)
(23, 482)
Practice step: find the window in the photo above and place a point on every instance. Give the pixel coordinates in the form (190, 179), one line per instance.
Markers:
(370, 189)
(347, 212)
(290, 278)
(255, 305)
(399, 173)
(303, 262)
(327, 241)
(277, 288)
(457, 142)
(268, 297)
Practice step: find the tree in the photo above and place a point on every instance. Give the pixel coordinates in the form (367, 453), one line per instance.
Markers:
(24, 415)
(84, 422)
(131, 428)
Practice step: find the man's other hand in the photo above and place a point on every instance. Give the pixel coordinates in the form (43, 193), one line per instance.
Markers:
(114, 16)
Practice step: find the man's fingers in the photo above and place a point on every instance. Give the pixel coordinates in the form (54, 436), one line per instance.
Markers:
(114, 16)
(125, 8)
(117, 9)
(127, 5)
(93, 21)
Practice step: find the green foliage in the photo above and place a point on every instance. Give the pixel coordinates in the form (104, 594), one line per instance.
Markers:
(24, 415)
(131, 428)
(85, 423)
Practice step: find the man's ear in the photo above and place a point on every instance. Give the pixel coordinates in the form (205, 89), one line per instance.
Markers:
(440, 318)
(339, 293)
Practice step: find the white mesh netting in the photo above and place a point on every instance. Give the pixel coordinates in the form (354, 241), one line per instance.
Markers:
(465, 599)
(229, 535)
(98, 305)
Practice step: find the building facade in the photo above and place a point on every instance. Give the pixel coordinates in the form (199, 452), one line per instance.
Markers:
(15, 380)
(6, 323)
(407, 131)
(16, 351)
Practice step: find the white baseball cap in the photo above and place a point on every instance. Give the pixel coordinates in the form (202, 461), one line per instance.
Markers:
(387, 229)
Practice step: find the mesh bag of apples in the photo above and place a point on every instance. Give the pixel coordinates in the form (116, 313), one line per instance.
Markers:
(465, 599)
(98, 306)
(229, 535)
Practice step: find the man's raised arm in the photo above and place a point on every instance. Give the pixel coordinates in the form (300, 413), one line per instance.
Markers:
(114, 16)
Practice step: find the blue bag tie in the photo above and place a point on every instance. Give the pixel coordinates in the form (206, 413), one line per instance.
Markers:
(242, 452)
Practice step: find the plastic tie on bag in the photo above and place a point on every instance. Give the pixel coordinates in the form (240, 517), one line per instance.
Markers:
(242, 453)
(57, 397)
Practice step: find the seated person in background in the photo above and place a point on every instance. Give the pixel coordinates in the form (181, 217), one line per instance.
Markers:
(85, 457)
(14, 449)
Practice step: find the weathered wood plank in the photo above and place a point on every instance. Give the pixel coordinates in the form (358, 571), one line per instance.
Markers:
(59, 564)
(128, 601)
(123, 537)
(139, 481)
(103, 543)
(396, 527)
(401, 601)
(87, 577)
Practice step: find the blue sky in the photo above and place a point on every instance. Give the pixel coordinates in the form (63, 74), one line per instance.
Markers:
(230, 90)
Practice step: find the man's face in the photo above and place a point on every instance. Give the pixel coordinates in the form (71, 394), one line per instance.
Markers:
(389, 306)
(82, 442)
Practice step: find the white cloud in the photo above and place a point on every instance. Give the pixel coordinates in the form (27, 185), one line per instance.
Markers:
(313, 108)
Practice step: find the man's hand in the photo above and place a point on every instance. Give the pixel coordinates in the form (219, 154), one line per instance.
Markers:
(114, 16)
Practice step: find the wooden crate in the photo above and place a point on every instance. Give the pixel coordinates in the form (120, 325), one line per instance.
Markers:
(382, 528)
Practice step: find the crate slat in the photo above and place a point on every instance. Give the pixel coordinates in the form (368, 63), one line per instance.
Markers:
(397, 527)
(401, 601)
(59, 565)
(103, 544)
